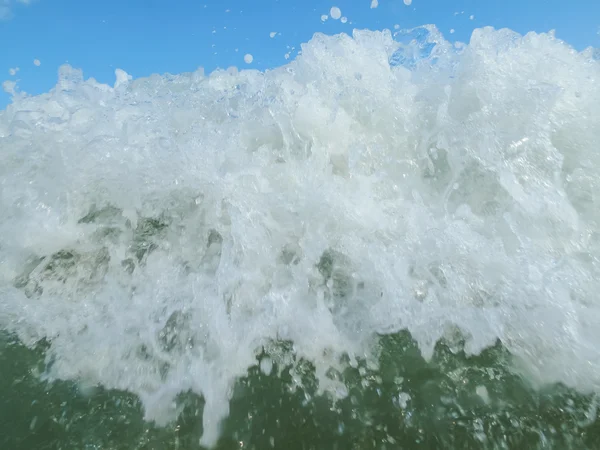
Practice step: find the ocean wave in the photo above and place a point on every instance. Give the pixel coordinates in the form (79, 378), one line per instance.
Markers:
(162, 232)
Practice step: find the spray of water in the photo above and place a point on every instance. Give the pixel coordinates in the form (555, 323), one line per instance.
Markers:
(161, 232)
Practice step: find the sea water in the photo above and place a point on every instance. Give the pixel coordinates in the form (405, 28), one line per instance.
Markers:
(391, 242)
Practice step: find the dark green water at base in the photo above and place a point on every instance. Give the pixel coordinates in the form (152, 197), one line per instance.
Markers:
(407, 403)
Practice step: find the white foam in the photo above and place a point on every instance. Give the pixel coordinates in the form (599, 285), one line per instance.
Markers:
(408, 2)
(121, 78)
(374, 4)
(344, 19)
(272, 34)
(248, 58)
(266, 365)
(13, 71)
(483, 393)
(437, 192)
(403, 399)
(324, 17)
(37, 62)
(335, 12)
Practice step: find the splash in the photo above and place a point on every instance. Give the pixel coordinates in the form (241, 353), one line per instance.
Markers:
(161, 233)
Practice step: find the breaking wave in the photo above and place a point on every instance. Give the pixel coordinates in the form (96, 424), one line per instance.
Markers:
(162, 233)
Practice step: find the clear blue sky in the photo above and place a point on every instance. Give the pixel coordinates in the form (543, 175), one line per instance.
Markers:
(157, 36)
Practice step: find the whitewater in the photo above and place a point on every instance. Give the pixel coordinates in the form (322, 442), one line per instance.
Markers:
(162, 233)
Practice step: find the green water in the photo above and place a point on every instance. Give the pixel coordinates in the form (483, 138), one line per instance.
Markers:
(406, 403)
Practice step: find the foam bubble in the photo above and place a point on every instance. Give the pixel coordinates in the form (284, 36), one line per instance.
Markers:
(344, 19)
(408, 2)
(272, 34)
(162, 232)
(374, 4)
(335, 12)
(248, 58)
(13, 71)
(324, 17)
(37, 62)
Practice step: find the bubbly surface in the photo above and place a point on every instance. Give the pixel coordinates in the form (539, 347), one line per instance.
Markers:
(161, 233)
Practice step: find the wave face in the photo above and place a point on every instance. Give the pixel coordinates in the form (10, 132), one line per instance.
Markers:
(161, 233)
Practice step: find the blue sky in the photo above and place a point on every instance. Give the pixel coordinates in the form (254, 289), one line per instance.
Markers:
(157, 36)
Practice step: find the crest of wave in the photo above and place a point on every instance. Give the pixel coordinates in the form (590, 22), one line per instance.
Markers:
(160, 232)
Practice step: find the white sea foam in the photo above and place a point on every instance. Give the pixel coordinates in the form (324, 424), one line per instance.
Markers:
(160, 232)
